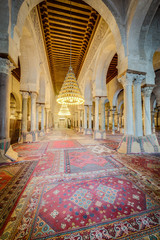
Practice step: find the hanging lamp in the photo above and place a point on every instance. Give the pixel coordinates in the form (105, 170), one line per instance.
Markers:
(64, 111)
(70, 93)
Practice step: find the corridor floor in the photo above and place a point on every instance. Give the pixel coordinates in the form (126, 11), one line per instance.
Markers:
(69, 186)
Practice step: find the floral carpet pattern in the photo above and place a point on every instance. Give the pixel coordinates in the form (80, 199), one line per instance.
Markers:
(61, 188)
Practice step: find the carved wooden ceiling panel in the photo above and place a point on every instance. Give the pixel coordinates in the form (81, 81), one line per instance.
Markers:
(62, 20)
(112, 70)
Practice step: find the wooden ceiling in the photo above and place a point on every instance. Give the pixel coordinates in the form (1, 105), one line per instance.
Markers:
(112, 70)
(62, 21)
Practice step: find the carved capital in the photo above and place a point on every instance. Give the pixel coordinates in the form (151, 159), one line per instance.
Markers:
(126, 79)
(6, 66)
(25, 95)
(147, 91)
(138, 79)
(33, 95)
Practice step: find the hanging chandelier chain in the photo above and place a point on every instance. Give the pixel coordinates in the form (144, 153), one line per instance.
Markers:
(70, 36)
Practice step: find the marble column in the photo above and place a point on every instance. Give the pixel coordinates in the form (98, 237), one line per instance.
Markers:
(96, 113)
(113, 120)
(118, 129)
(108, 115)
(138, 130)
(147, 109)
(153, 122)
(37, 117)
(5, 68)
(42, 117)
(103, 99)
(82, 118)
(79, 118)
(25, 96)
(33, 111)
(47, 119)
(126, 80)
(90, 117)
(85, 116)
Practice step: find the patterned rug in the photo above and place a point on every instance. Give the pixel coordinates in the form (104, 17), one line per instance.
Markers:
(111, 207)
(111, 144)
(79, 190)
(63, 144)
(81, 160)
(13, 178)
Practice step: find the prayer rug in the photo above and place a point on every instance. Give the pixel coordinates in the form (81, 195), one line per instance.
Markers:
(81, 160)
(28, 149)
(101, 208)
(50, 163)
(63, 144)
(100, 149)
(112, 144)
(13, 179)
(144, 163)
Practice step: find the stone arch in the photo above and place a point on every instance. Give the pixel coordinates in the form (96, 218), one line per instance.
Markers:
(29, 62)
(104, 56)
(137, 33)
(120, 105)
(115, 97)
(18, 105)
(88, 88)
(42, 88)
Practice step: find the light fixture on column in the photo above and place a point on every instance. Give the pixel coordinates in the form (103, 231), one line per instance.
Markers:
(64, 111)
(70, 93)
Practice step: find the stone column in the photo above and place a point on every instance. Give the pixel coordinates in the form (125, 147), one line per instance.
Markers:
(108, 114)
(85, 116)
(79, 118)
(118, 129)
(42, 117)
(33, 111)
(113, 123)
(25, 96)
(147, 90)
(96, 113)
(103, 99)
(90, 117)
(138, 131)
(47, 119)
(126, 81)
(37, 117)
(153, 122)
(82, 116)
(5, 68)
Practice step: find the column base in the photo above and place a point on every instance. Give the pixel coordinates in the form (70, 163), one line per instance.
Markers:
(7, 154)
(29, 136)
(41, 133)
(144, 144)
(81, 129)
(87, 131)
(99, 134)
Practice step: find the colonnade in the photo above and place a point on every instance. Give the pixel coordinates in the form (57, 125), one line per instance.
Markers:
(131, 122)
(35, 107)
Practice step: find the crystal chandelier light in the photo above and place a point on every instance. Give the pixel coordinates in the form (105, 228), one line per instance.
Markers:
(64, 111)
(70, 93)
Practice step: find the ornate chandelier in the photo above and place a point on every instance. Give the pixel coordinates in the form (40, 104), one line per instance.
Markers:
(64, 111)
(70, 93)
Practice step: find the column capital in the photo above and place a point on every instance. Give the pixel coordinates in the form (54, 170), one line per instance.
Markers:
(6, 66)
(147, 90)
(33, 95)
(126, 79)
(24, 94)
(138, 79)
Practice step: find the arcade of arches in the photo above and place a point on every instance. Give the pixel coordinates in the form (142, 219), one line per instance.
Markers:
(116, 60)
